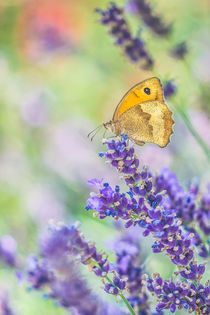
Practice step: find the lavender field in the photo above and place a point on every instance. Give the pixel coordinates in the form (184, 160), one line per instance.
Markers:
(110, 223)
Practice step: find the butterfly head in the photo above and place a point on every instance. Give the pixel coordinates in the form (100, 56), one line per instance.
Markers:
(113, 127)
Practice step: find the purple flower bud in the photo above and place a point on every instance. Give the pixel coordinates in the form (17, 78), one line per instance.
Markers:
(173, 308)
(128, 224)
(109, 288)
(133, 48)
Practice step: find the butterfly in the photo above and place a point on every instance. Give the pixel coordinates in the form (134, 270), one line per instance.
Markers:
(142, 115)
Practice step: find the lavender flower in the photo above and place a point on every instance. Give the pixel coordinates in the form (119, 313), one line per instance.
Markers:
(128, 266)
(153, 21)
(35, 108)
(64, 287)
(133, 48)
(160, 206)
(182, 295)
(45, 35)
(8, 250)
(169, 89)
(38, 273)
(142, 205)
(57, 272)
(186, 206)
(192, 272)
(5, 308)
(202, 215)
(51, 39)
(180, 50)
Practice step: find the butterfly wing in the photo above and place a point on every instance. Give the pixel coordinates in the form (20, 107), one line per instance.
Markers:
(147, 122)
(148, 90)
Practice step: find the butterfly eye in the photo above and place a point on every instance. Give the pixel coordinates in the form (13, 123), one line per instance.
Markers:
(147, 91)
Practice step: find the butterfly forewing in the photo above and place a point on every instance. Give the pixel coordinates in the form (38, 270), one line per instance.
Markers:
(147, 90)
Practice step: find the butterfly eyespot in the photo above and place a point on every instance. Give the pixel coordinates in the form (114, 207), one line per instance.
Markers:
(147, 91)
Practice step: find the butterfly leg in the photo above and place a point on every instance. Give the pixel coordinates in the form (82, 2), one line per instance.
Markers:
(105, 131)
(141, 143)
(112, 137)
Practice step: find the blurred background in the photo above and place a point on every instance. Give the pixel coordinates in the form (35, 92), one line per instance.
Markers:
(60, 77)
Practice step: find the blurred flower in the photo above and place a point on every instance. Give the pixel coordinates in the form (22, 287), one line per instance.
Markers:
(35, 108)
(73, 166)
(154, 156)
(5, 308)
(38, 273)
(202, 215)
(48, 29)
(201, 65)
(67, 288)
(134, 48)
(62, 248)
(43, 203)
(10, 174)
(128, 265)
(192, 212)
(153, 21)
(8, 250)
(180, 50)
(201, 121)
(169, 89)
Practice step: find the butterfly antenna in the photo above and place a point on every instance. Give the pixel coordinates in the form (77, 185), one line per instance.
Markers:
(94, 130)
(104, 133)
(91, 139)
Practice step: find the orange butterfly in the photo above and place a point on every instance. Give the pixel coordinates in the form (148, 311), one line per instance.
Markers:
(142, 115)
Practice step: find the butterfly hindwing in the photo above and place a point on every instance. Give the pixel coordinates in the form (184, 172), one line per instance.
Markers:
(147, 122)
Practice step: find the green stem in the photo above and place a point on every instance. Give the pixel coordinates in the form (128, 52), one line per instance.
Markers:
(186, 118)
(193, 131)
(182, 112)
(129, 307)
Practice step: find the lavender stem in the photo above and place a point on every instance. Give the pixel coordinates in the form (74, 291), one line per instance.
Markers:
(129, 307)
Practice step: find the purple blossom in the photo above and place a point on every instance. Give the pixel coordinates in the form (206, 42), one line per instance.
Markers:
(51, 39)
(72, 291)
(152, 20)
(35, 108)
(193, 271)
(160, 206)
(128, 265)
(169, 89)
(5, 308)
(8, 250)
(133, 48)
(67, 242)
(57, 272)
(141, 205)
(147, 204)
(38, 273)
(180, 50)
(179, 295)
(202, 215)
(186, 206)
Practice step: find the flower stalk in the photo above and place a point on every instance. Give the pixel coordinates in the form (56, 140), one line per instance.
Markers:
(183, 114)
(125, 301)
